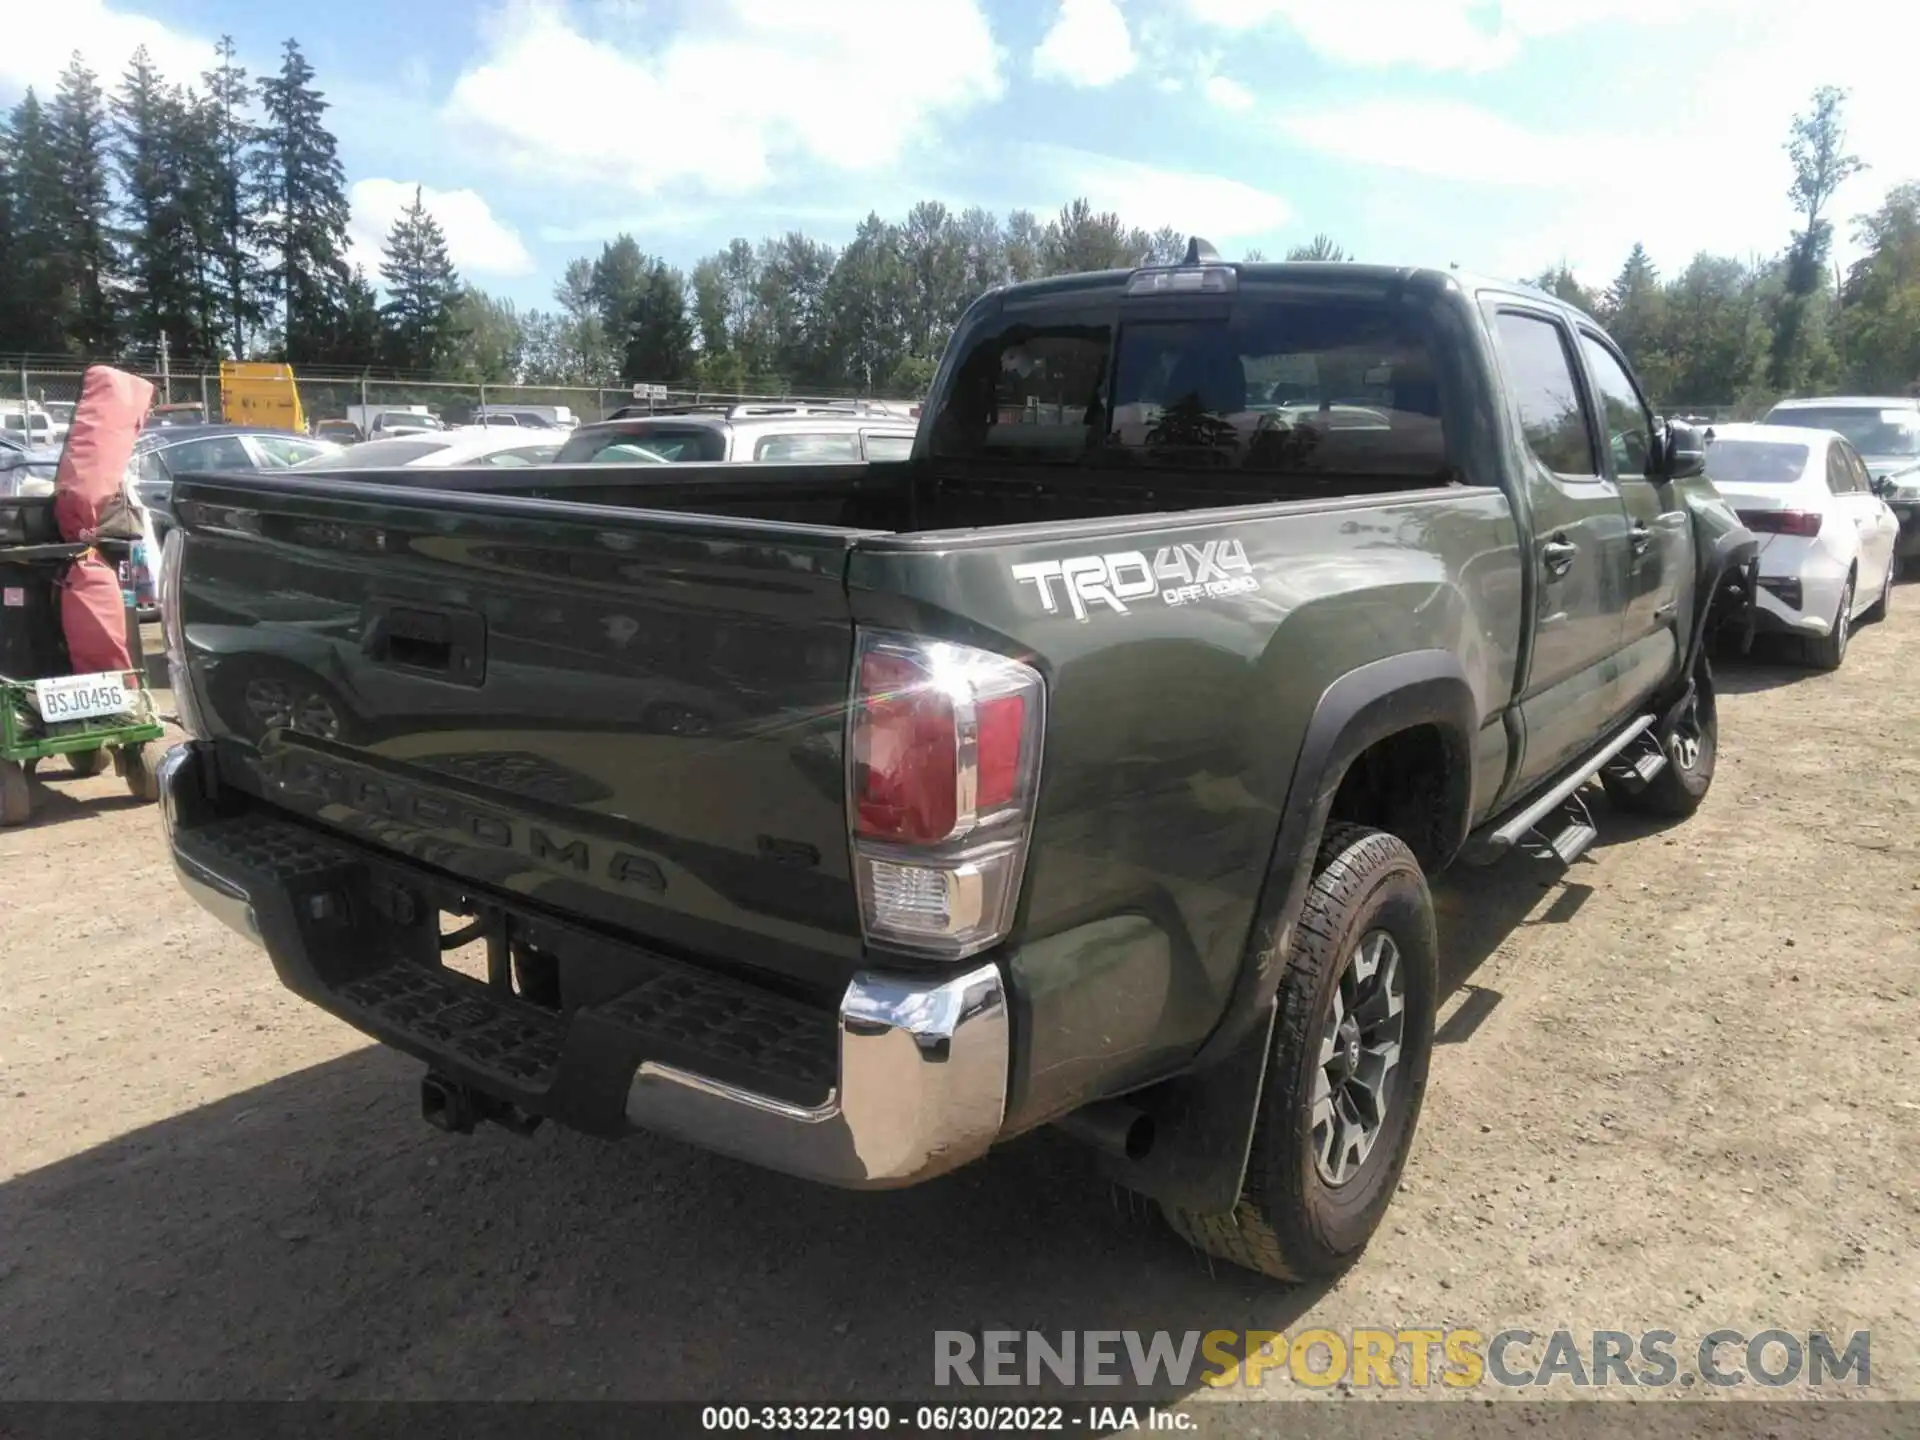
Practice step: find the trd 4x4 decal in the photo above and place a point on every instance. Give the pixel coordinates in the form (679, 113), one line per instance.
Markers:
(1177, 575)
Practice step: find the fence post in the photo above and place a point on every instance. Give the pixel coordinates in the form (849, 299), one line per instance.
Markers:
(483, 397)
(206, 406)
(26, 402)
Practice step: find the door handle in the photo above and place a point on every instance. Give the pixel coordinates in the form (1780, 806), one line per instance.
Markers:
(1558, 555)
(1641, 537)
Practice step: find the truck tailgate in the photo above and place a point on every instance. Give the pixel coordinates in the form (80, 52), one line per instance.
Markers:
(630, 717)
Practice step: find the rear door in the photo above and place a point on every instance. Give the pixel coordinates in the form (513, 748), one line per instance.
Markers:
(1579, 536)
(1873, 523)
(1659, 575)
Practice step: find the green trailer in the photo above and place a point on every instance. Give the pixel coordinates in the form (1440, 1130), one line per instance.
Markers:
(88, 721)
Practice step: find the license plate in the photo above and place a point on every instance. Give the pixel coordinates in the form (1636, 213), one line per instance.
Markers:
(82, 697)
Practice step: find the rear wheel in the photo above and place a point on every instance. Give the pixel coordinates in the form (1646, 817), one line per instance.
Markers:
(1830, 649)
(16, 799)
(87, 762)
(140, 768)
(1352, 1040)
(1691, 745)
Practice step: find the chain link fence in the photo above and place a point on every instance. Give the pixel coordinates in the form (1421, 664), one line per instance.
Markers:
(322, 397)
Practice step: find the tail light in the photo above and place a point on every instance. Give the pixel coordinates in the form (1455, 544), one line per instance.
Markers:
(167, 583)
(943, 758)
(1781, 522)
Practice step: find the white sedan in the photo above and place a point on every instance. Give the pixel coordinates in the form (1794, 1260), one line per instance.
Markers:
(486, 445)
(1826, 540)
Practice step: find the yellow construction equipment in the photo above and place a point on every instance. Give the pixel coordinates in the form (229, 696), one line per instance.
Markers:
(258, 393)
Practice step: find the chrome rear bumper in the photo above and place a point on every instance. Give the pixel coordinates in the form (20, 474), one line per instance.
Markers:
(923, 1061)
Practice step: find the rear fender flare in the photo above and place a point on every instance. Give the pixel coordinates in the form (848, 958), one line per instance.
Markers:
(1204, 1118)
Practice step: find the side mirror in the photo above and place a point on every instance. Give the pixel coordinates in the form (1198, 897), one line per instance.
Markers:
(1679, 451)
(1883, 486)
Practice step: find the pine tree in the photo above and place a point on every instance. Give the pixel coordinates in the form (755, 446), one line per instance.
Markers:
(660, 332)
(229, 193)
(423, 289)
(152, 148)
(40, 298)
(303, 223)
(77, 131)
(362, 338)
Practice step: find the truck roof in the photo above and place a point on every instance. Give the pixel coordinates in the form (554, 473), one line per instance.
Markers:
(1267, 271)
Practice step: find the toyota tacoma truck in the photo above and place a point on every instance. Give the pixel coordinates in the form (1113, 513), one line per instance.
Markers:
(1087, 768)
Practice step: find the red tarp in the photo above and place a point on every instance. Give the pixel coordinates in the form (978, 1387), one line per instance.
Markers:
(89, 501)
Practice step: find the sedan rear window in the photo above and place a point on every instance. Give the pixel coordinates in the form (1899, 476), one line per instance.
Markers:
(1755, 462)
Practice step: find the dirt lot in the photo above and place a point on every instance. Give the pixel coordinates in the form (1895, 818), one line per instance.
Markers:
(1673, 1091)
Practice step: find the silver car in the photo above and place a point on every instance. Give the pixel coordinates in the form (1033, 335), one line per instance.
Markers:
(742, 434)
(1885, 430)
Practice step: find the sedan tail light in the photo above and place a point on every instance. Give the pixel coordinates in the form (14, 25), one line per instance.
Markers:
(943, 759)
(1781, 522)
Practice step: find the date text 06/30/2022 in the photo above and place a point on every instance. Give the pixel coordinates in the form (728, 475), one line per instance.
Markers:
(945, 1419)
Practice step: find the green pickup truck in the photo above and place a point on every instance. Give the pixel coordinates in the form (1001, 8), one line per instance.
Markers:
(1087, 768)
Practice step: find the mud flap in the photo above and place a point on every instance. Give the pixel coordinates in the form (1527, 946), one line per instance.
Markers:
(1203, 1130)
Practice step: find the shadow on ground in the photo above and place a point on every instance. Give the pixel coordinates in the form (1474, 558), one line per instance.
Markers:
(312, 1237)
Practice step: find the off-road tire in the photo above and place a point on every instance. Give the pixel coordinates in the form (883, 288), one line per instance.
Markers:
(1676, 792)
(1290, 1224)
(88, 762)
(16, 798)
(140, 768)
(1828, 650)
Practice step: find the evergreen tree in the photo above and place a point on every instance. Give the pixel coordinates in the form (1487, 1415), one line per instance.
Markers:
(659, 346)
(227, 198)
(422, 288)
(303, 220)
(619, 279)
(77, 135)
(153, 147)
(40, 295)
(362, 336)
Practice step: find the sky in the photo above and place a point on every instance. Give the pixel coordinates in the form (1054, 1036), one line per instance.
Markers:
(1504, 136)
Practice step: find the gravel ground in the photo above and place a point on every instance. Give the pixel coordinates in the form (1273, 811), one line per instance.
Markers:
(1672, 1092)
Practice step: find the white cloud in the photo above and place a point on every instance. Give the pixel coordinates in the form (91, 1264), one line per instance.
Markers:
(1437, 35)
(745, 87)
(1228, 94)
(477, 242)
(1451, 140)
(1088, 44)
(1215, 206)
(38, 37)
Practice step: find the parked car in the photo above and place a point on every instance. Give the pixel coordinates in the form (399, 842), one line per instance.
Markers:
(811, 434)
(1826, 539)
(531, 417)
(376, 421)
(31, 425)
(160, 454)
(184, 413)
(486, 445)
(1087, 769)
(1885, 429)
(26, 470)
(337, 431)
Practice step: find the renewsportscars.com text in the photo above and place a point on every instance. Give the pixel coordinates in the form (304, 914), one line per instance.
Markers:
(1409, 1358)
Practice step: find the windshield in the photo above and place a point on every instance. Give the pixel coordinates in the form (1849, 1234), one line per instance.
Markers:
(377, 454)
(1300, 386)
(1755, 462)
(677, 444)
(1871, 430)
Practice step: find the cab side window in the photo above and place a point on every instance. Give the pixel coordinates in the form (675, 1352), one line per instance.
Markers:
(1540, 373)
(1629, 429)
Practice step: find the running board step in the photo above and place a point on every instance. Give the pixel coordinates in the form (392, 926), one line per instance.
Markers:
(1636, 772)
(1485, 847)
(1565, 837)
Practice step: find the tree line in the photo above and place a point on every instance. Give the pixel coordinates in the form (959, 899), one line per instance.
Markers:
(216, 213)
